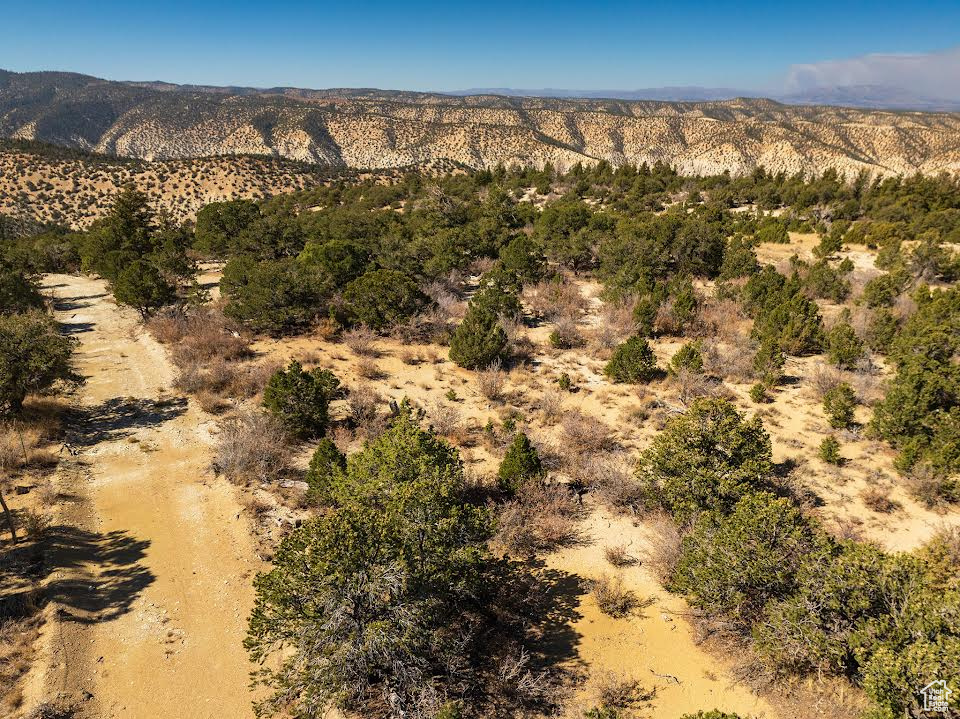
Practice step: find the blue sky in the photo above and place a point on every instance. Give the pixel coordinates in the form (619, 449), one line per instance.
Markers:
(449, 45)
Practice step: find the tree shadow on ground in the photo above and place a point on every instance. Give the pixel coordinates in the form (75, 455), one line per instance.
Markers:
(68, 304)
(96, 576)
(557, 596)
(119, 417)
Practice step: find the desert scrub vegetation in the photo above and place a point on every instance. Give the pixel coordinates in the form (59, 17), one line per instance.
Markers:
(416, 551)
(756, 562)
(609, 262)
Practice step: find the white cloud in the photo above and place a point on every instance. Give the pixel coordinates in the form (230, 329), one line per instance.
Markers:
(935, 75)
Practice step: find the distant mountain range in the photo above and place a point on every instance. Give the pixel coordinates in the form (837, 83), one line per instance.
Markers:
(369, 128)
(881, 97)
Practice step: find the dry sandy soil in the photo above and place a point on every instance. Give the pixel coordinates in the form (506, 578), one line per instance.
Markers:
(151, 596)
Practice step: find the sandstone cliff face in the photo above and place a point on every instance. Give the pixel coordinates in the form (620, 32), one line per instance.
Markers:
(374, 129)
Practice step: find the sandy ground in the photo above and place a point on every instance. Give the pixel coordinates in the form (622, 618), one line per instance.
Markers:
(153, 583)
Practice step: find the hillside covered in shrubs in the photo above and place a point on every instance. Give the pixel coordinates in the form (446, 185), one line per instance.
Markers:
(409, 587)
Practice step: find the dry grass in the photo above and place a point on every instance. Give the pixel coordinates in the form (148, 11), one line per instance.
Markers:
(878, 499)
(541, 517)
(491, 382)
(445, 419)
(612, 597)
(551, 406)
(362, 341)
(664, 551)
(618, 556)
(586, 434)
(367, 368)
(251, 447)
(364, 404)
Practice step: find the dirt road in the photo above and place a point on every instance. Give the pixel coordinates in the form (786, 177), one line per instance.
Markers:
(154, 559)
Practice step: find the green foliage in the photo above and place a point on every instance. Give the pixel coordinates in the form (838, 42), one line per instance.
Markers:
(300, 400)
(739, 260)
(336, 261)
(829, 450)
(920, 414)
(130, 235)
(273, 296)
(712, 714)
(733, 564)
(382, 298)
(707, 458)
(34, 357)
(688, 357)
(882, 290)
(768, 362)
(632, 362)
(366, 599)
(822, 280)
(758, 393)
(881, 330)
(18, 293)
(142, 287)
(479, 340)
(795, 324)
(522, 257)
(497, 296)
(520, 464)
(219, 223)
(772, 230)
(564, 382)
(326, 461)
(839, 403)
(844, 347)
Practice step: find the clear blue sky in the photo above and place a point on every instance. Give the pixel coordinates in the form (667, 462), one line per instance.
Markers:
(451, 45)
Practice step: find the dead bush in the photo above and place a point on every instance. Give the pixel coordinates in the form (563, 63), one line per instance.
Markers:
(609, 477)
(612, 597)
(211, 402)
(409, 357)
(541, 517)
(929, 487)
(664, 550)
(618, 556)
(251, 447)
(445, 419)
(729, 360)
(551, 406)
(367, 368)
(199, 335)
(553, 299)
(691, 386)
(824, 378)
(722, 320)
(617, 691)
(491, 382)
(363, 403)
(878, 499)
(433, 325)
(362, 341)
(586, 434)
(566, 334)
(250, 378)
